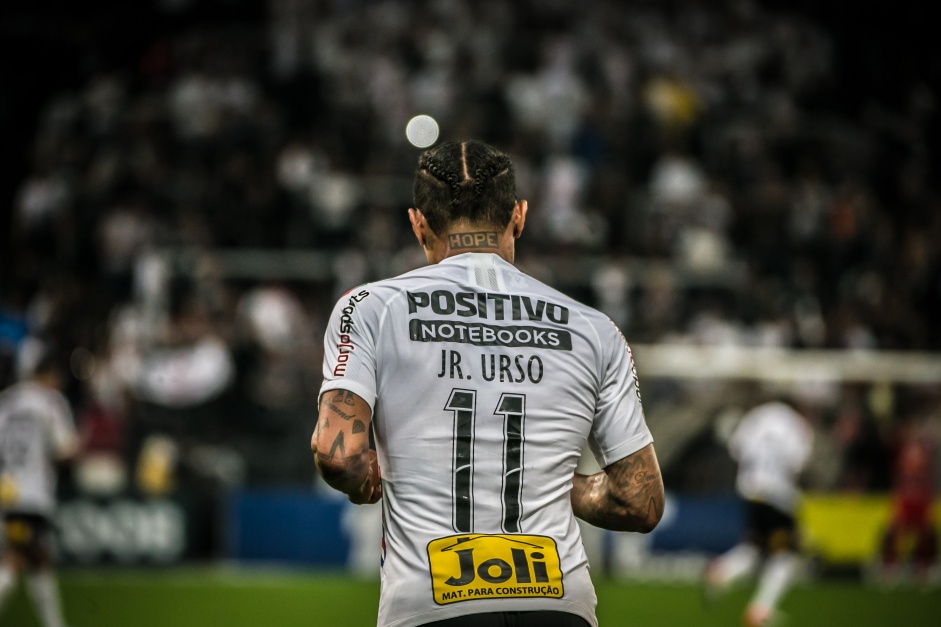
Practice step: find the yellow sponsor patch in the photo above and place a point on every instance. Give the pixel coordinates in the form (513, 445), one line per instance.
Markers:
(472, 566)
(18, 532)
(8, 491)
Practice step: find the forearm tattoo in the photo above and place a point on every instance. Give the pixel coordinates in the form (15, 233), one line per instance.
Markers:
(628, 496)
(337, 444)
(345, 397)
(339, 412)
(343, 471)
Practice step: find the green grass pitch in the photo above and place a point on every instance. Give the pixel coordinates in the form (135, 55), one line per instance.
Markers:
(250, 598)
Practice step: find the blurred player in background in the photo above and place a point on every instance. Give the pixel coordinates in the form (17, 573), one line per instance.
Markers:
(481, 385)
(911, 538)
(772, 445)
(37, 433)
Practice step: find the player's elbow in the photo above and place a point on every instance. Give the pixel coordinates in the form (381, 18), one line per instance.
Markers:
(656, 508)
(337, 473)
(635, 491)
(649, 521)
(343, 473)
(646, 512)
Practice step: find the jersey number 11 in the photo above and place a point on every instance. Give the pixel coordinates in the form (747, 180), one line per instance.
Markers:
(463, 403)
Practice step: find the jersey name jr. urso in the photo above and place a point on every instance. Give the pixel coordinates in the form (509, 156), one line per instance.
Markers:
(485, 385)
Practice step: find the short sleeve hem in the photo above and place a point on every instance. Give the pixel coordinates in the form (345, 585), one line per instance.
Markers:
(627, 448)
(360, 390)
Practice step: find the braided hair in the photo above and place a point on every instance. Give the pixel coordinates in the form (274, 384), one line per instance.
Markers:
(470, 181)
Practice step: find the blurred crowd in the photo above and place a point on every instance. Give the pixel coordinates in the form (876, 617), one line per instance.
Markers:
(688, 171)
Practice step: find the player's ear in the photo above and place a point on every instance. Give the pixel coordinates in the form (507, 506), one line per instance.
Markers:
(419, 226)
(518, 218)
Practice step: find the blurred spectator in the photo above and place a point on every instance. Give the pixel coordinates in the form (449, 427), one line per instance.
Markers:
(102, 467)
(278, 330)
(865, 454)
(193, 367)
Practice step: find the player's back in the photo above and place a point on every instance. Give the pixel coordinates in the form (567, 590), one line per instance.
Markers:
(486, 380)
(772, 445)
(489, 384)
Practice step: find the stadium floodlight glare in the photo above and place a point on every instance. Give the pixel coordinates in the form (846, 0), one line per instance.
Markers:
(422, 131)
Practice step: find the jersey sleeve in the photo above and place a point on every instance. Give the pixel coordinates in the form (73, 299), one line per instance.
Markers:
(619, 427)
(738, 443)
(804, 444)
(63, 437)
(349, 358)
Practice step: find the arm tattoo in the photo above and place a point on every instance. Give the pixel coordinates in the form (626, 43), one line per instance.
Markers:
(344, 396)
(339, 412)
(337, 444)
(342, 452)
(627, 496)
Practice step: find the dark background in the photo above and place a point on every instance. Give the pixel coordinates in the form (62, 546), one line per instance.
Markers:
(48, 45)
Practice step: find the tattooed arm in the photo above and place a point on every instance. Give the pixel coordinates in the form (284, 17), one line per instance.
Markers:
(341, 447)
(627, 496)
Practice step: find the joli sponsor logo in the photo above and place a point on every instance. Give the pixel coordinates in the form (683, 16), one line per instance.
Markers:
(478, 566)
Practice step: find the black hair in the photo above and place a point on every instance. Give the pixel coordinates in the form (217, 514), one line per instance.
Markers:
(468, 180)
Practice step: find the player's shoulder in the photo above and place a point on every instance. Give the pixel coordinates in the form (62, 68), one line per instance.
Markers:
(34, 396)
(20, 392)
(381, 291)
(780, 414)
(373, 297)
(373, 293)
(5, 395)
(51, 398)
(602, 323)
(519, 281)
(601, 332)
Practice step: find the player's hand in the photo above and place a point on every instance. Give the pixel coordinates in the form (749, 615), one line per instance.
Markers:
(371, 490)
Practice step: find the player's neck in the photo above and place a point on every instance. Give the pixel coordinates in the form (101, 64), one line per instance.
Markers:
(467, 237)
(48, 381)
(473, 239)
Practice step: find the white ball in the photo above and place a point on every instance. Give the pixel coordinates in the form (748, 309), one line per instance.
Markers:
(422, 131)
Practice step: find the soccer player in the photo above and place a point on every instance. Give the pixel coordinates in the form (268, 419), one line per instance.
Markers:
(911, 535)
(37, 432)
(481, 385)
(772, 446)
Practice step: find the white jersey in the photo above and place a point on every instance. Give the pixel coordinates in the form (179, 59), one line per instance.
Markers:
(772, 445)
(36, 428)
(485, 385)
